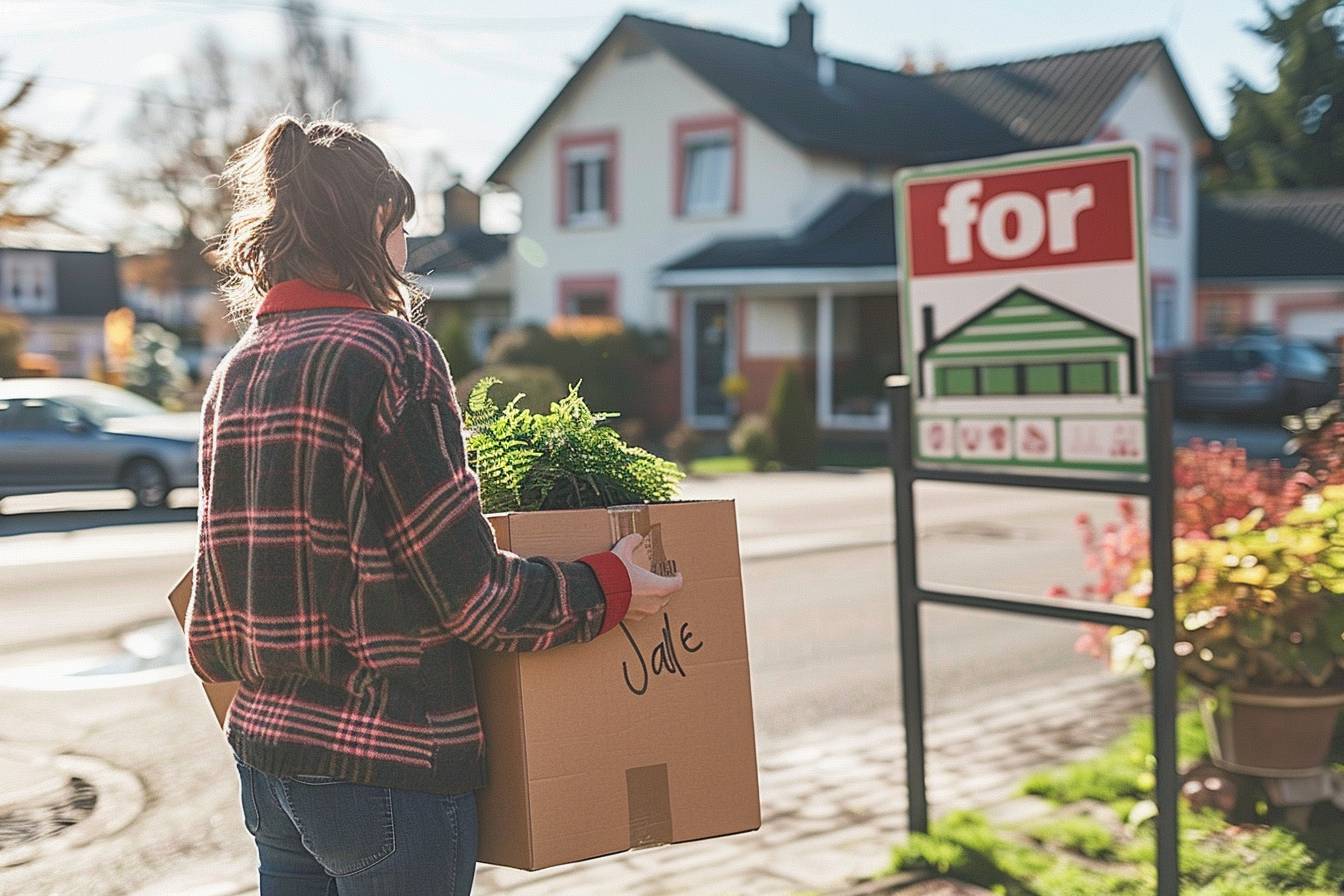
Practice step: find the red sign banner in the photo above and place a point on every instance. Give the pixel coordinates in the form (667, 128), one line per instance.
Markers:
(1060, 215)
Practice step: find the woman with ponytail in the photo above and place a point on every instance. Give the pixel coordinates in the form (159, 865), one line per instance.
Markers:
(345, 568)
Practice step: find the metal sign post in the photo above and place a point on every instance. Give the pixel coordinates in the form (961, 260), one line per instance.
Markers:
(1158, 619)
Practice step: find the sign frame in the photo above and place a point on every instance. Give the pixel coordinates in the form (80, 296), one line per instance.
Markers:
(1004, 432)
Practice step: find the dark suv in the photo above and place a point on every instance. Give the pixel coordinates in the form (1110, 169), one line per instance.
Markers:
(1264, 376)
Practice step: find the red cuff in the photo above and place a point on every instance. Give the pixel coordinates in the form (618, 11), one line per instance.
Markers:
(615, 583)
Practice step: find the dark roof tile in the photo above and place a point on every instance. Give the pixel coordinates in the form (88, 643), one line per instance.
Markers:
(858, 229)
(1273, 234)
(882, 116)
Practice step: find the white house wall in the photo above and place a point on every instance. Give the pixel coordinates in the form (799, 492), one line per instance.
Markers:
(641, 97)
(1153, 111)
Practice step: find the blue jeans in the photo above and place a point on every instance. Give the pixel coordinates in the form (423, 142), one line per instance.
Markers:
(319, 836)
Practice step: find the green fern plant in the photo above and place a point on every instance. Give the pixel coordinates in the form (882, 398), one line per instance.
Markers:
(564, 459)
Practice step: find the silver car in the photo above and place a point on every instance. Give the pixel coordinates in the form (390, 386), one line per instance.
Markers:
(77, 435)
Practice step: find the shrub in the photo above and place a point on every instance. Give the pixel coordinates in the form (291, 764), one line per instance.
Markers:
(11, 344)
(754, 439)
(793, 421)
(683, 444)
(454, 337)
(563, 459)
(615, 363)
(538, 387)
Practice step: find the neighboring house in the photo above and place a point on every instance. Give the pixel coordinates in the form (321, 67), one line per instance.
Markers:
(464, 270)
(1275, 259)
(738, 194)
(62, 284)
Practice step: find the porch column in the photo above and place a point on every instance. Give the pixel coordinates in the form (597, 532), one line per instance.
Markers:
(825, 354)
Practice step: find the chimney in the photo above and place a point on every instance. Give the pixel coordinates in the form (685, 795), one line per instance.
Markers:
(461, 209)
(926, 318)
(802, 28)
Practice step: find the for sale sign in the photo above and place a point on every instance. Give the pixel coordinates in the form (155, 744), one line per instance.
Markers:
(1025, 311)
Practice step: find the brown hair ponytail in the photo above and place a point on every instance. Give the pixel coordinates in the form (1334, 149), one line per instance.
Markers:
(306, 202)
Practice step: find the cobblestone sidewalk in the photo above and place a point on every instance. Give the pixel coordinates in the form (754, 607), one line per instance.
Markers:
(833, 801)
(832, 798)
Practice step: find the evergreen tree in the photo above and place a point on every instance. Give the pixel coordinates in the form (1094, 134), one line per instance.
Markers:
(793, 418)
(1292, 135)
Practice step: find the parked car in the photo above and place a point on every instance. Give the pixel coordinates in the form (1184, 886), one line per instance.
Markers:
(1253, 375)
(80, 435)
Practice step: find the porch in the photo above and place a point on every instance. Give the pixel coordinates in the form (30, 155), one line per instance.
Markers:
(823, 301)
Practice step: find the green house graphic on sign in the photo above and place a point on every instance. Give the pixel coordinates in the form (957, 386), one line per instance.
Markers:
(1025, 345)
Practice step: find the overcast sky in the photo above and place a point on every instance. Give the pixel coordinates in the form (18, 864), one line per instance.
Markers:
(453, 84)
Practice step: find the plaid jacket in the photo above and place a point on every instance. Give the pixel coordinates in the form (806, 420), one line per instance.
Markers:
(345, 568)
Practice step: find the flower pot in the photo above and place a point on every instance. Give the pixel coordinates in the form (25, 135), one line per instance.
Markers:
(1271, 733)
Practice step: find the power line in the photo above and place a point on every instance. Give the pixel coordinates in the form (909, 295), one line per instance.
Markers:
(345, 15)
(144, 94)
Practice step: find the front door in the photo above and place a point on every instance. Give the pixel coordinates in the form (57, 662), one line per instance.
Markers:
(709, 336)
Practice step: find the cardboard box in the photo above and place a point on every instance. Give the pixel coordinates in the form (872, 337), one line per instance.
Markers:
(220, 695)
(640, 738)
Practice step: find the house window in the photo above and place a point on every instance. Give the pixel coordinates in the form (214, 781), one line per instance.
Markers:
(708, 166)
(956, 381)
(28, 282)
(1089, 378)
(588, 297)
(1166, 184)
(1044, 379)
(587, 174)
(1000, 380)
(1164, 311)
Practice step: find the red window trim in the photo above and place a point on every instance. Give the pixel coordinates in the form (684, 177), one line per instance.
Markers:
(1167, 146)
(569, 287)
(685, 127)
(567, 142)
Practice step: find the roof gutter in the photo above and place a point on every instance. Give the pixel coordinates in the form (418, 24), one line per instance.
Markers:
(777, 276)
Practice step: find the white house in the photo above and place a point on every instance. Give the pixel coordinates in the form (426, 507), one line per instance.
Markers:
(62, 285)
(738, 194)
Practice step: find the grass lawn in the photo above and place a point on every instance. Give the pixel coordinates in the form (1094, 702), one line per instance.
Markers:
(1099, 840)
(859, 456)
(719, 466)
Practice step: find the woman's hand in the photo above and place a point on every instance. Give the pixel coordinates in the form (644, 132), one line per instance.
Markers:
(649, 593)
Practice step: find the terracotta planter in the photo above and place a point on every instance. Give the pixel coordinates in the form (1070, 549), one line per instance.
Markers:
(1272, 733)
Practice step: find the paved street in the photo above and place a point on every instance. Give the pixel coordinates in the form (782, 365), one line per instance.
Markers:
(819, 585)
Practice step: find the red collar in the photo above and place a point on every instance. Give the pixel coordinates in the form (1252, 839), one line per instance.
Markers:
(300, 295)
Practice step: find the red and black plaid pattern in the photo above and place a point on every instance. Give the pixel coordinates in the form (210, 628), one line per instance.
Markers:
(345, 567)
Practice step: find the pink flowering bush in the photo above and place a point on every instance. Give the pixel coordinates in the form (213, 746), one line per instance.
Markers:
(1215, 484)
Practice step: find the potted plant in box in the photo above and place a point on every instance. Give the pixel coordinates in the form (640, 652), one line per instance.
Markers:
(561, 460)
(1261, 631)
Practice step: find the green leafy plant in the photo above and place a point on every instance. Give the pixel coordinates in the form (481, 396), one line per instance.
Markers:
(1257, 607)
(563, 459)
(539, 386)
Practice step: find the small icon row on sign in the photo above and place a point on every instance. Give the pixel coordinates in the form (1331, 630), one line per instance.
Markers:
(1042, 439)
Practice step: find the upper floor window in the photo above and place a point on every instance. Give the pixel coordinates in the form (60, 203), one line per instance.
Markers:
(1164, 311)
(708, 159)
(28, 282)
(1166, 185)
(588, 179)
